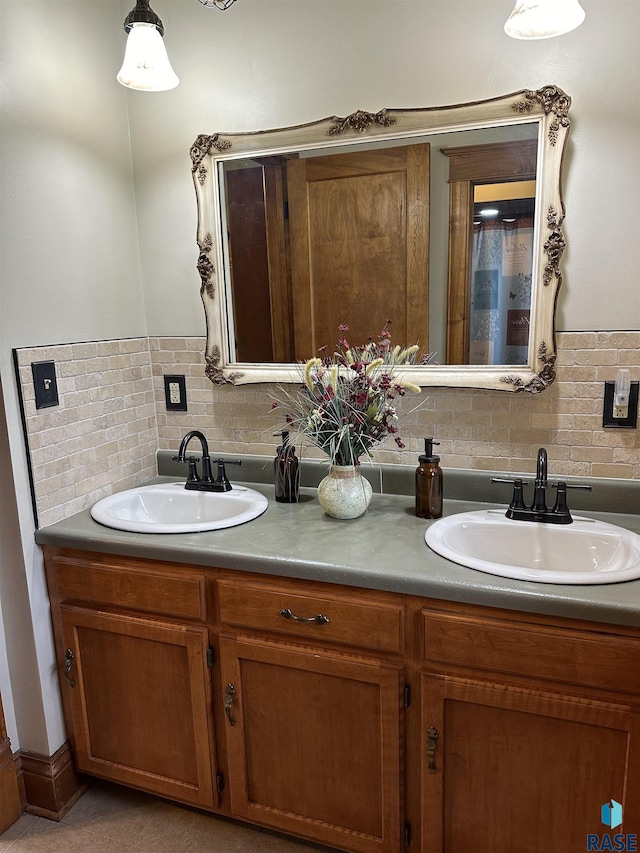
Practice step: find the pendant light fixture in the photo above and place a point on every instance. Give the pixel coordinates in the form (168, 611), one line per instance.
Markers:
(146, 66)
(541, 19)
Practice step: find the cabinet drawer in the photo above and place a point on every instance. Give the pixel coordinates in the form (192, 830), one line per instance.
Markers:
(182, 594)
(343, 619)
(592, 658)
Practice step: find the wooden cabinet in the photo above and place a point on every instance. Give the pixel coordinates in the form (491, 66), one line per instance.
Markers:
(513, 763)
(363, 720)
(135, 668)
(139, 695)
(10, 805)
(313, 742)
(314, 715)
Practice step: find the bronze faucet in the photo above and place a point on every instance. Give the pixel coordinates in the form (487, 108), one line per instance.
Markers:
(204, 483)
(538, 510)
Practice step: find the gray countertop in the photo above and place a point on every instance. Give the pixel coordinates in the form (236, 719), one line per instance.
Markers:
(384, 549)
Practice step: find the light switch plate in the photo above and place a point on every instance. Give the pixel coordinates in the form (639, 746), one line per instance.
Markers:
(175, 393)
(45, 383)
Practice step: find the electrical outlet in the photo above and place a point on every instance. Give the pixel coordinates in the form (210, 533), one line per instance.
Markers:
(175, 393)
(45, 383)
(610, 419)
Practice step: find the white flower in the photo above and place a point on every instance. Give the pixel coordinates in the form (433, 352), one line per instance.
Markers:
(308, 379)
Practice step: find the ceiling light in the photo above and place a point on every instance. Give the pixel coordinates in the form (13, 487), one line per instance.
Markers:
(146, 66)
(541, 19)
(489, 212)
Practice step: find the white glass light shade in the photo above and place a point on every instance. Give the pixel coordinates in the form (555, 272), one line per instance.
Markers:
(541, 19)
(146, 65)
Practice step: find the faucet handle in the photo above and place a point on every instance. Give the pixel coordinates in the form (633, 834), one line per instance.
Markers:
(222, 482)
(561, 509)
(192, 476)
(517, 501)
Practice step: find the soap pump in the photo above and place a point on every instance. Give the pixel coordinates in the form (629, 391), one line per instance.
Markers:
(429, 483)
(286, 469)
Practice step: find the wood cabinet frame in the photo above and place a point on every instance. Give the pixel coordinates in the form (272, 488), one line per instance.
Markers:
(431, 664)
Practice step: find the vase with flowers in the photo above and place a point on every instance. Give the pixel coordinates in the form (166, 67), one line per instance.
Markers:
(345, 406)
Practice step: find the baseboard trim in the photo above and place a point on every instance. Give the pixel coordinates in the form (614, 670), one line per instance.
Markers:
(50, 784)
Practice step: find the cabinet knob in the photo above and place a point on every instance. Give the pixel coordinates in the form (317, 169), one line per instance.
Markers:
(318, 619)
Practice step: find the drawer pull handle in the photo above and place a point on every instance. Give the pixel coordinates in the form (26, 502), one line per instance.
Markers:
(68, 663)
(318, 619)
(432, 743)
(230, 692)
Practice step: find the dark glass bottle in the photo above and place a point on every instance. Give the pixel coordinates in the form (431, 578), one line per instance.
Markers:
(286, 471)
(429, 483)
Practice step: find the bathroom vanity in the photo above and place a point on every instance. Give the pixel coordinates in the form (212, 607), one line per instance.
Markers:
(339, 682)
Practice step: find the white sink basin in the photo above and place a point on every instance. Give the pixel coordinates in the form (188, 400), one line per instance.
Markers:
(585, 552)
(170, 508)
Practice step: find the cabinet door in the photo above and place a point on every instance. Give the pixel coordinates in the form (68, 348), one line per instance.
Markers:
(140, 702)
(313, 740)
(512, 769)
(10, 806)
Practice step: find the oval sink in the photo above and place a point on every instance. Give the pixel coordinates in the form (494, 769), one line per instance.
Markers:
(170, 508)
(585, 552)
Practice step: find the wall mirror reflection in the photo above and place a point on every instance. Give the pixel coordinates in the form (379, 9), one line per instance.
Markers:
(446, 221)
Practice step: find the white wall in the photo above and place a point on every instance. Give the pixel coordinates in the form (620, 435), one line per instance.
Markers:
(90, 244)
(70, 272)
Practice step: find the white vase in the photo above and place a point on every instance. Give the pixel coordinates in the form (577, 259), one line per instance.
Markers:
(344, 492)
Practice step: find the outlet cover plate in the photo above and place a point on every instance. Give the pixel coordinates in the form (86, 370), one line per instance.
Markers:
(175, 393)
(631, 421)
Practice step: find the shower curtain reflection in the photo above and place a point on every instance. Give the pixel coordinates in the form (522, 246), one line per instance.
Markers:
(500, 303)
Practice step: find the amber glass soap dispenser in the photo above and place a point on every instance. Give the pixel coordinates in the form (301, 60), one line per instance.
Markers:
(286, 471)
(429, 483)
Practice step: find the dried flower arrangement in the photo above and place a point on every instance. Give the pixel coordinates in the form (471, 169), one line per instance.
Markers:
(345, 405)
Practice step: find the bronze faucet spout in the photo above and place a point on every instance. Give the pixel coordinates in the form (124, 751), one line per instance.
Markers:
(207, 477)
(541, 468)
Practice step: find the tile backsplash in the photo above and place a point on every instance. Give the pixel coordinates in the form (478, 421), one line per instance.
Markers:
(103, 433)
(112, 417)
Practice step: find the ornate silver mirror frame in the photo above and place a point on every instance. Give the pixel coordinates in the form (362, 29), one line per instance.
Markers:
(548, 107)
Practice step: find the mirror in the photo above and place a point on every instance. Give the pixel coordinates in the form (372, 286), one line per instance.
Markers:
(379, 216)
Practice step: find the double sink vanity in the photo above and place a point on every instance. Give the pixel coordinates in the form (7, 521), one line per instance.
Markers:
(348, 682)
(341, 682)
